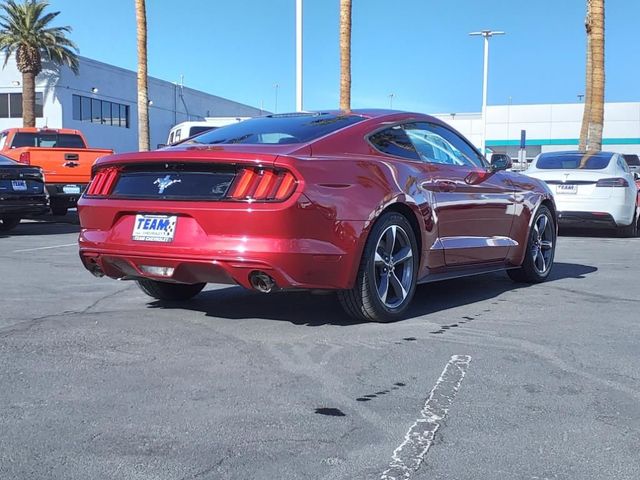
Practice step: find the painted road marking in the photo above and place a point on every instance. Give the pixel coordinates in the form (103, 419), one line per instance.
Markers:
(46, 248)
(406, 459)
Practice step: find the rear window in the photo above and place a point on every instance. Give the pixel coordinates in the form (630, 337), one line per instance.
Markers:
(569, 161)
(278, 129)
(632, 160)
(47, 140)
(196, 130)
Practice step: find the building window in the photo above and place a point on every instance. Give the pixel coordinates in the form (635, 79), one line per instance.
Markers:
(87, 109)
(11, 105)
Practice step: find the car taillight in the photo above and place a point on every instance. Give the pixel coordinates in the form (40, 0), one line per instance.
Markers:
(262, 184)
(102, 182)
(25, 157)
(612, 182)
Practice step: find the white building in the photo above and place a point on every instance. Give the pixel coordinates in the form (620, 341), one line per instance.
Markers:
(101, 101)
(548, 127)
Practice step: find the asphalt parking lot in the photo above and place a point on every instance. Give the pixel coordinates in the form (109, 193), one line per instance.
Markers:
(486, 380)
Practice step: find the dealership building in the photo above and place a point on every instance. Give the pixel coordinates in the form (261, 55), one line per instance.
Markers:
(549, 127)
(101, 101)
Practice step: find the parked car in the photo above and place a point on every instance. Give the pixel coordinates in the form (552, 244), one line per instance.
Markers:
(62, 154)
(185, 130)
(594, 189)
(22, 193)
(633, 162)
(367, 203)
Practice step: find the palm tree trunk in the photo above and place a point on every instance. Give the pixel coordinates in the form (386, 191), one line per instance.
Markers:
(596, 114)
(584, 129)
(345, 55)
(28, 99)
(143, 92)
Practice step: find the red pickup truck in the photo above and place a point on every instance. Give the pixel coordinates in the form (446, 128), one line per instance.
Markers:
(62, 154)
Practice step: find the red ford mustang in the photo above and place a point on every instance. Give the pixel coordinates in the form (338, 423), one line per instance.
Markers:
(367, 203)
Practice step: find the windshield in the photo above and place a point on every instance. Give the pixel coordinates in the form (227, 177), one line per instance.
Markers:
(632, 160)
(47, 140)
(571, 161)
(278, 129)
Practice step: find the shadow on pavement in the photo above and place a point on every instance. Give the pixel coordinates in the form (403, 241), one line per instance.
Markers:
(303, 308)
(46, 225)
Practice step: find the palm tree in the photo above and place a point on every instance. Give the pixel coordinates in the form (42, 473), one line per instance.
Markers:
(26, 32)
(593, 119)
(143, 87)
(345, 55)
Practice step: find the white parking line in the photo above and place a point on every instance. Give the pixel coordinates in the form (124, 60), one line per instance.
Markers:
(75, 244)
(406, 459)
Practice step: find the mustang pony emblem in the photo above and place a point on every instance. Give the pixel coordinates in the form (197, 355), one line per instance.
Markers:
(164, 183)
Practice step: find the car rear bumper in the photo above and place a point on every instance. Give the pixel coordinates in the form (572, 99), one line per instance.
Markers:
(64, 194)
(24, 208)
(300, 247)
(605, 213)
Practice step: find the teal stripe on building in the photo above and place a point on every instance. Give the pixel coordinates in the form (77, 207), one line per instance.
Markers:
(561, 141)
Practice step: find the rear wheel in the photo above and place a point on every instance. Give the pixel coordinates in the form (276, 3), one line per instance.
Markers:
(387, 275)
(630, 231)
(170, 291)
(541, 247)
(8, 223)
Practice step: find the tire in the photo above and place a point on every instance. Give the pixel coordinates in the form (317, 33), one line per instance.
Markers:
(171, 292)
(58, 210)
(8, 223)
(630, 231)
(541, 248)
(390, 258)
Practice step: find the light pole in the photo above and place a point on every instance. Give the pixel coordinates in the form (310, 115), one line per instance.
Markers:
(391, 95)
(276, 86)
(298, 55)
(486, 34)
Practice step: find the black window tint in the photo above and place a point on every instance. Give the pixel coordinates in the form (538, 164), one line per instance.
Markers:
(570, 161)
(77, 112)
(4, 105)
(39, 104)
(196, 130)
(632, 160)
(47, 140)
(298, 128)
(15, 105)
(394, 141)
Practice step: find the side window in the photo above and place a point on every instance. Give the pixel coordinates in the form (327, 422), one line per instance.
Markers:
(3, 139)
(176, 139)
(437, 144)
(394, 141)
(170, 138)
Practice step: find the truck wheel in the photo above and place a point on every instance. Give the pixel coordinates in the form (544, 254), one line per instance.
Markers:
(170, 291)
(59, 210)
(8, 223)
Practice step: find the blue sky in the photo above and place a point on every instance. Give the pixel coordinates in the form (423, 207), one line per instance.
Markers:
(418, 50)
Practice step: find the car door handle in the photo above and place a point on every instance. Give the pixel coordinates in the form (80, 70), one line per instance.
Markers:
(445, 186)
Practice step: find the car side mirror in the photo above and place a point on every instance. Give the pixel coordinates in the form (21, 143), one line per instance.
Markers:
(500, 161)
(161, 145)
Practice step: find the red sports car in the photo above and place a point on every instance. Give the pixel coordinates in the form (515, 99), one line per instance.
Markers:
(368, 203)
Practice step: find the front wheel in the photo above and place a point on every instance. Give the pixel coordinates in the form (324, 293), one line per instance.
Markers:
(541, 248)
(386, 280)
(8, 223)
(169, 291)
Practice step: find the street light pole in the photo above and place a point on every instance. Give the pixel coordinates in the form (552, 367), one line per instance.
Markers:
(486, 34)
(298, 55)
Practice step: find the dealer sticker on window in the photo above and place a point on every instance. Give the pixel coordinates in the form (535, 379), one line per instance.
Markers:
(154, 228)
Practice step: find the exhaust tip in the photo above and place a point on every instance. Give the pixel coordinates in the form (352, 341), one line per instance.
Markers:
(262, 282)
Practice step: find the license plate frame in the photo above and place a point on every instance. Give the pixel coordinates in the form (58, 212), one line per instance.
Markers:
(71, 189)
(19, 185)
(154, 228)
(567, 189)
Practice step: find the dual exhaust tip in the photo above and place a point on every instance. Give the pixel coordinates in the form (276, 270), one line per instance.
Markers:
(262, 282)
